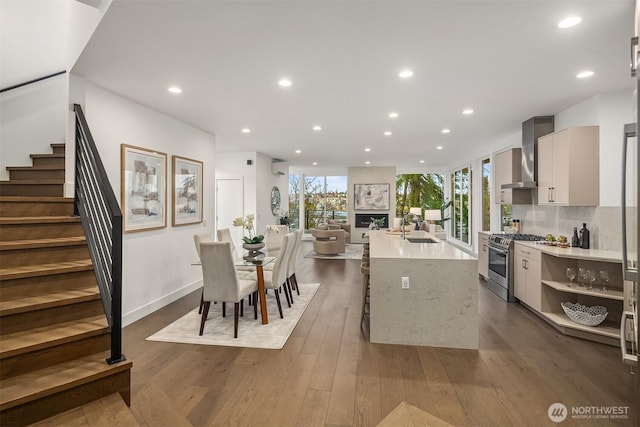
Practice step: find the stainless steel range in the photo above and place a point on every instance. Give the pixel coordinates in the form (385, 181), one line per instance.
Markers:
(501, 263)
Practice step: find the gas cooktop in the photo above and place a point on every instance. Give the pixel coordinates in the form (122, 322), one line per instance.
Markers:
(506, 239)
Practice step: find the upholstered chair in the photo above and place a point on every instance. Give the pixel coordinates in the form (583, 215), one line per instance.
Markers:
(221, 283)
(291, 265)
(277, 278)
(197, 239)
(345, 227)
(273, 237)
(224, 235)
(328, 241)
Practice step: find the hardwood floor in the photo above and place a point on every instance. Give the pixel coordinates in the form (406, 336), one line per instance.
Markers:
(328, 374)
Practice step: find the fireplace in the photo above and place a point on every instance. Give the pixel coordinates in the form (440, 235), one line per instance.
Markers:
(363, 220)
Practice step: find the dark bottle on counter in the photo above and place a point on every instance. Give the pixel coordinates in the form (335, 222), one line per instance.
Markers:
(584, 236)
(575, 240)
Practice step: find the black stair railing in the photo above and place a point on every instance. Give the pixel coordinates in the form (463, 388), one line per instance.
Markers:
(98, 208)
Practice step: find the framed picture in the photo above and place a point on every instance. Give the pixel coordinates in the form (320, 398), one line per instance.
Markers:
(187, 191)
(143, 191)
(371, 197)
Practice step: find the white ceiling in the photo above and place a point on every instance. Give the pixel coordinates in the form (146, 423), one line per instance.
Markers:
(505, 59)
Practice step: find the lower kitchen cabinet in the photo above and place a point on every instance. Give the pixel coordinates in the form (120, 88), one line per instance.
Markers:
(527, 285)
(540, 281)
(483, 254)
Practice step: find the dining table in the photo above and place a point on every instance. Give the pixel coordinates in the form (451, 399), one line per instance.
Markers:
(258, 259)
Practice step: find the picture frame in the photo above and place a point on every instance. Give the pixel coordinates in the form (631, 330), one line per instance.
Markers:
(143, 188)
(371, 197)
(187, 191)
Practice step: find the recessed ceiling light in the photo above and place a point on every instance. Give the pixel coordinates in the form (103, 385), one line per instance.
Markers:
(467, 111)
(421, 161)
(367, 162)
(298, 151)
(569, 22)
(315, 163)
(246, 130)
(393, 115)
(585, 74)
(175, 89)
(405, 74)
(285, 82)
(317, 128)
(446, 130)
(367, 149)
(387, 133)
(439, 147)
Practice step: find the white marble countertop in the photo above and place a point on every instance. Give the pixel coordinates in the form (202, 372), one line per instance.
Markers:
(384, 244)
(576, 253)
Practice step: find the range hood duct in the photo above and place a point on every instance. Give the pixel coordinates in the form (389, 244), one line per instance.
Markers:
(532, 129)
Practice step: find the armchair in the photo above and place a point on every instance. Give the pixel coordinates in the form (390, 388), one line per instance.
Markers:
(329, 240)
(346, 227)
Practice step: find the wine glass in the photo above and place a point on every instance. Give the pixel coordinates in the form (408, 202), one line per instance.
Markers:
(604, 275)
(571, 274)
(592, 277)
(582, 275)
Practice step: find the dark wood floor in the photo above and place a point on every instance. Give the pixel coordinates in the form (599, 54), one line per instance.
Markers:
(328, 374)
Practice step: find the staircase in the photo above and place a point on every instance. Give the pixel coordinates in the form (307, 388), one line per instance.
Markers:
(54, 336)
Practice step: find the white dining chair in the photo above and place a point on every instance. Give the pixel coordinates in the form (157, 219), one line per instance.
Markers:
(277, 277)
(221, 283)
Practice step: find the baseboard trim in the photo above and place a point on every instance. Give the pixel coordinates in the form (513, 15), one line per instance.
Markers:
(155, 305)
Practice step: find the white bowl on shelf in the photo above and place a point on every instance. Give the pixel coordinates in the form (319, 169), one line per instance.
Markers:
(583, 315)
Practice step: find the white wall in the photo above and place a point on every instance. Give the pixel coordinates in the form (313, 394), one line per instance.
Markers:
(258, 182)
(370, 175)
(156, 264)
(31, 118)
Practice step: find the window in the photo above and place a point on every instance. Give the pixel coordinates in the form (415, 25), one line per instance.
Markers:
(486, 194)
(325, 198)
(420, 190)
(460, 205)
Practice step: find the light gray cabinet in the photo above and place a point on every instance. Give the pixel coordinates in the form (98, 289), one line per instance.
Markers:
(568, 167)
(483, 254)
(527, 285)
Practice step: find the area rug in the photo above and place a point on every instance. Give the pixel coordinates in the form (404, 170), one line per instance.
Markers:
(352, 251)
(218, 330)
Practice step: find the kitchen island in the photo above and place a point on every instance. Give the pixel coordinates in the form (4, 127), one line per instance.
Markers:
(440, 306)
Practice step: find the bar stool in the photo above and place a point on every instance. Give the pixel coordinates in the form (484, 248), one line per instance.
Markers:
(364, 269)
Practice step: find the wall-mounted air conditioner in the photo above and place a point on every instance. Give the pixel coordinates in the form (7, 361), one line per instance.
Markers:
(280, 168)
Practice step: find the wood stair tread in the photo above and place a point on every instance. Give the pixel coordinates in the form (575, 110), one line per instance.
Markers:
(45, 269)
(43, 243)
(40, 167)
(8, 220)
(54, 299)
(31, 199)
(40, 156)
(48, 336)
(33, 182)
(47, 381)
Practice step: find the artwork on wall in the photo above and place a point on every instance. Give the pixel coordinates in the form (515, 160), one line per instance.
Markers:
(371, 197)
(143, 189)
(187, 191)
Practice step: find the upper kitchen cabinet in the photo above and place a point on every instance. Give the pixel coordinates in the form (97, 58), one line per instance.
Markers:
(568, 167)
(508, 169)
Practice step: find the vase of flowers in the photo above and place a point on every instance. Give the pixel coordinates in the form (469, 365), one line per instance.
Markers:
(253, 242)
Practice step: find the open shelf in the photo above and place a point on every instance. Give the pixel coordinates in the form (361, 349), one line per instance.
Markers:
(608, 328)
(577, 289)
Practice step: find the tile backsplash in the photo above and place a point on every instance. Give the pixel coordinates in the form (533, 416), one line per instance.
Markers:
(603, 222)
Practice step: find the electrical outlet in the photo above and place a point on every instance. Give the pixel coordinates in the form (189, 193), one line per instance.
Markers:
(405, 282)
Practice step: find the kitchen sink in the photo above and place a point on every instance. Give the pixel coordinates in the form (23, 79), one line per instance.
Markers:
(421, 240)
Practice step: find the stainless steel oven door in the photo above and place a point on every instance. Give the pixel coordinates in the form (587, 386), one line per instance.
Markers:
(499, 266)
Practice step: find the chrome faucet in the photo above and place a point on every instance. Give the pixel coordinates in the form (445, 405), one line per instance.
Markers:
(402, 224)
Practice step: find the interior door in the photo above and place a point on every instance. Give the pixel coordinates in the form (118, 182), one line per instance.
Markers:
(230, 205)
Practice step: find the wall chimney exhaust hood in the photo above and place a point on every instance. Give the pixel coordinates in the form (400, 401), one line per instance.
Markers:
(532, 129)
